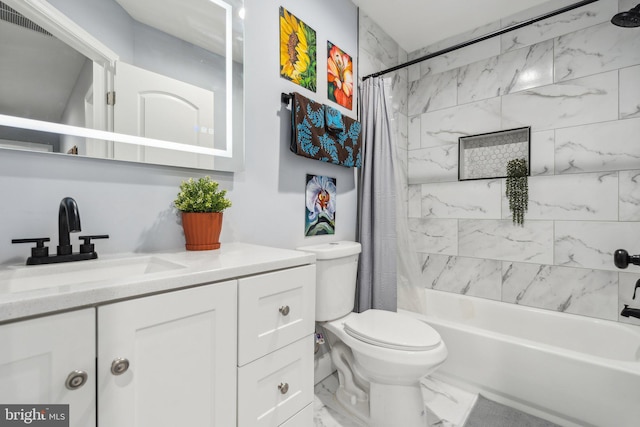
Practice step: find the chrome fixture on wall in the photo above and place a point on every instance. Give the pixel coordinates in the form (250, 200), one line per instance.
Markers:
(630, 19)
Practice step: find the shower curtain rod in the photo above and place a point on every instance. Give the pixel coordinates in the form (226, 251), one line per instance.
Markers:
(482, 38)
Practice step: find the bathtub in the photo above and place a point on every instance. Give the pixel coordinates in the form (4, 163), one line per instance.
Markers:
(572, 370)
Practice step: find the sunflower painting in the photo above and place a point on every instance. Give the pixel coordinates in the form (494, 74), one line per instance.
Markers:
(297, 51)
(339, 76)
(320, 205)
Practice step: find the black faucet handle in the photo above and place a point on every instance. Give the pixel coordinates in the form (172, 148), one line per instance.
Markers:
(635, 289)
(622, 259)
(40, 250)
(87, 246)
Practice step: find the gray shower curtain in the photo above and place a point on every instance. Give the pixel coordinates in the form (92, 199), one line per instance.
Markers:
(376, 286)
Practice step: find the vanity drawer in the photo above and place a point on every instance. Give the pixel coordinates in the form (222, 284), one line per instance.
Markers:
(274, 309)
(303, 418)
(277, 386)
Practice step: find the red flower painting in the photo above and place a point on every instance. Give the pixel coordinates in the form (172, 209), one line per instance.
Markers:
(339, 76)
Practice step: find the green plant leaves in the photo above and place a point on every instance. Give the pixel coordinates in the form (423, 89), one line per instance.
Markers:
(201, 195)
(517, 189)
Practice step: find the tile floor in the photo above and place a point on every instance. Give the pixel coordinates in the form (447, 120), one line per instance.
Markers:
(448, 406)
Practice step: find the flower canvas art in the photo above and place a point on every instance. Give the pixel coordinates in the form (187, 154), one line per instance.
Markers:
(297, 51)
(320, 207)
(339, 76)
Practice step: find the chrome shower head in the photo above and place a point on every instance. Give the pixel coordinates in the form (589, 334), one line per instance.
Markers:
(630, 19)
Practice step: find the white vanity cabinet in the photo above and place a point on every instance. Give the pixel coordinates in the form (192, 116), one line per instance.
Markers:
(230, 345)
(169, 359)
(276, 318)
(38, 357)
(162, 360)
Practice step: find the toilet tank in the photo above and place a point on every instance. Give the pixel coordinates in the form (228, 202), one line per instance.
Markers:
(336, 270)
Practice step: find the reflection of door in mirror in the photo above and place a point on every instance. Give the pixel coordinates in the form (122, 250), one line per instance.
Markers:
(155, 106)
(183, 40)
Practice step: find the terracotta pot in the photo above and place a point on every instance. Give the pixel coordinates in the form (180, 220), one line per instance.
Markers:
(202, 230)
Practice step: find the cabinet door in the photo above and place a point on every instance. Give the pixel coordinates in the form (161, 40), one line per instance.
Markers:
(181, 350)
(275, 309)
(38, 355)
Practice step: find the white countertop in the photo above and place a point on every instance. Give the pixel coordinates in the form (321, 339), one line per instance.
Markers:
(190, 268)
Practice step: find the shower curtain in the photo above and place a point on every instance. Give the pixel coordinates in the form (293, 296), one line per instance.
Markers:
(390, 270)
(376, 286)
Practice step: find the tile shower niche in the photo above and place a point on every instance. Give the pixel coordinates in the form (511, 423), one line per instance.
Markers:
(486, 155)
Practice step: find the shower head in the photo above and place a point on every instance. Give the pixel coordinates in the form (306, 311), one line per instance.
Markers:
(628, 19)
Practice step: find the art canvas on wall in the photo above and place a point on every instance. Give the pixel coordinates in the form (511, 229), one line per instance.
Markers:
(297, 51)
(320, 210)
(339, 76)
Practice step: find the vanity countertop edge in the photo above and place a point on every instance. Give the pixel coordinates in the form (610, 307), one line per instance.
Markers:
(231, 261)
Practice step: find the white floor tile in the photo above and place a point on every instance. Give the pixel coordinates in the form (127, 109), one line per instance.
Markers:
(447, 406)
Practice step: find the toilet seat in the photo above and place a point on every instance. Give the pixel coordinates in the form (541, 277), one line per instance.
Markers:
(392, 330)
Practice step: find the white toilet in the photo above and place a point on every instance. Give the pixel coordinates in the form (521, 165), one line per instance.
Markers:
(380, 355)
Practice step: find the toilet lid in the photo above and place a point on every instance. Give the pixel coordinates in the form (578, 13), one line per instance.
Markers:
(392, 330)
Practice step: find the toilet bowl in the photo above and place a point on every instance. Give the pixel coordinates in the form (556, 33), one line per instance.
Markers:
(380, 355)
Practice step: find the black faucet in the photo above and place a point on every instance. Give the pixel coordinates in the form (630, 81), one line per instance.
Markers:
(622, 259)
(633, 312)
(68, 222)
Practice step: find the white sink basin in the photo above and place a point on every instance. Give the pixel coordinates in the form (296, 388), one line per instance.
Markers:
(28, 278)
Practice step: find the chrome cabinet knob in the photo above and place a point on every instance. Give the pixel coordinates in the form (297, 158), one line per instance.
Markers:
(284, 310)
(119, 366)
(283, 387)
(75, 380)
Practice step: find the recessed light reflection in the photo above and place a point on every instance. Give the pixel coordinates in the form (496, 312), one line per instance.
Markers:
(529, 76)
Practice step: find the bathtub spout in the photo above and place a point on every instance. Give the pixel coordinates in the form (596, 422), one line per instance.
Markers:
(633, 312)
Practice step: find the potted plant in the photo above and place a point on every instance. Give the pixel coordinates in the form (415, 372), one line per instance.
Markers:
(201, 204)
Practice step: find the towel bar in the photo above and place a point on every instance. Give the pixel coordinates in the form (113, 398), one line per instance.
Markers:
(285, 98)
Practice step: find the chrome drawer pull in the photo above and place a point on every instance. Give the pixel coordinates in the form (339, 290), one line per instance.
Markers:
(283, 387)
(75, 380)
(284, 310)
(119, 366)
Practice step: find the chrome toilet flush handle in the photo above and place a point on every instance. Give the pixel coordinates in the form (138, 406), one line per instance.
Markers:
(284, 310)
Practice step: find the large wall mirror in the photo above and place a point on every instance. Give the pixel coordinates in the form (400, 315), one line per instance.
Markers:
(153, 81)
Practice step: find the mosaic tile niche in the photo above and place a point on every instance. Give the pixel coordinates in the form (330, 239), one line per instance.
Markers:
(486, 155)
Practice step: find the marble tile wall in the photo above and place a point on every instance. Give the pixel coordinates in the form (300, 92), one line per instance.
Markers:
(575, 79)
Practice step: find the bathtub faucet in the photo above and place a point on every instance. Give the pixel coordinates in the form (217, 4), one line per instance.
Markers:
(633, 312)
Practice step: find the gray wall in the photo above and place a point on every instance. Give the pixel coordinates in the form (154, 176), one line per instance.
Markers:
(575, 79)
(132, 202)
(271, 209)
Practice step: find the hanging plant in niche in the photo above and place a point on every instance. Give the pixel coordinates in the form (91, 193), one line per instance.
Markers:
(517, 189)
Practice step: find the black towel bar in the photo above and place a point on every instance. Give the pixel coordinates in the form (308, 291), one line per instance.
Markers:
(285, 98)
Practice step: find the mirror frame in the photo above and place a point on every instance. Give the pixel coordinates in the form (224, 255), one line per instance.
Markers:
(104, 59)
